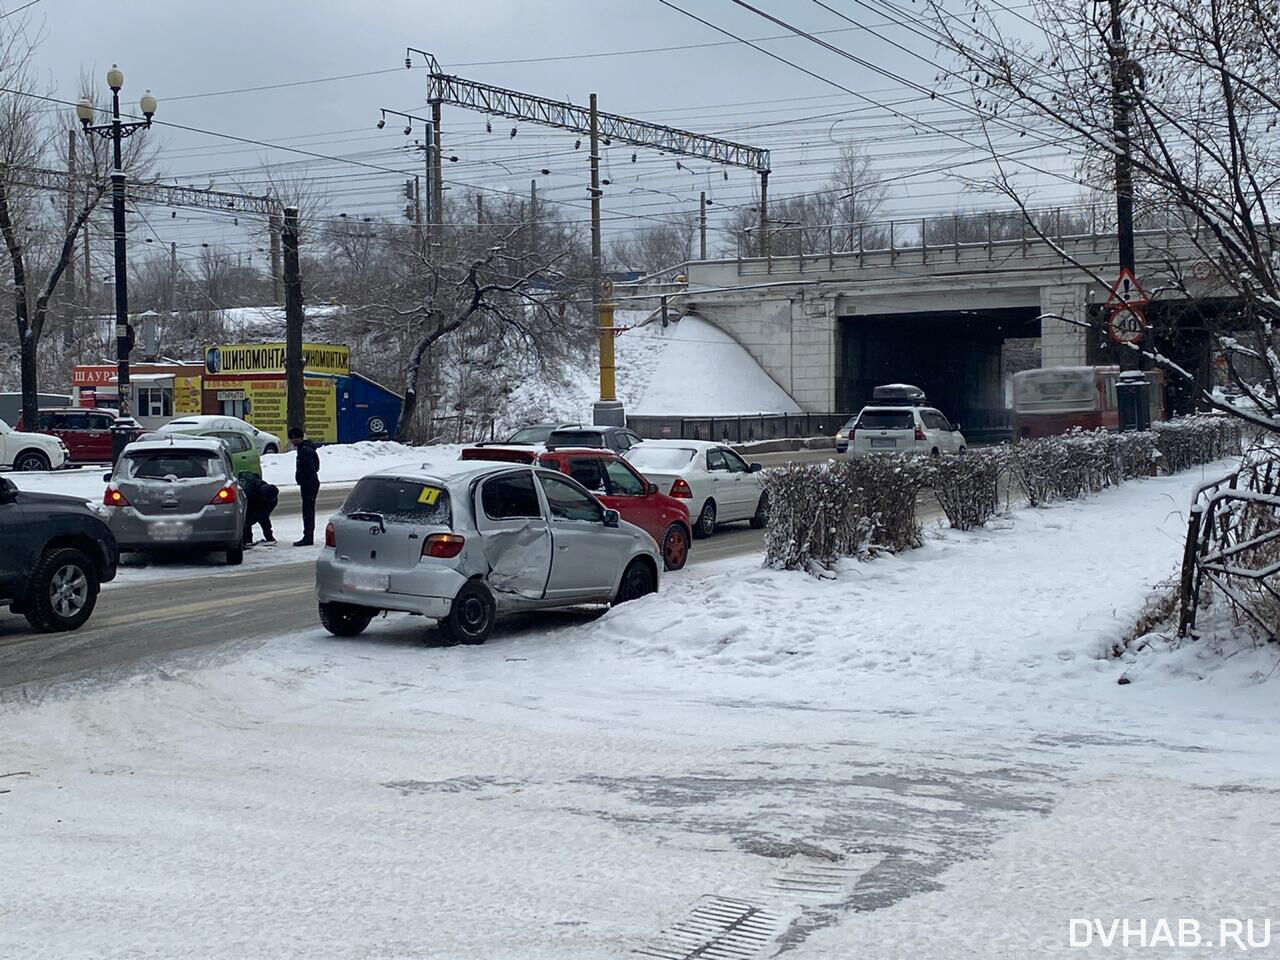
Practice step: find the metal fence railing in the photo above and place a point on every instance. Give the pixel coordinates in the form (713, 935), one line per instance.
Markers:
(981, 426)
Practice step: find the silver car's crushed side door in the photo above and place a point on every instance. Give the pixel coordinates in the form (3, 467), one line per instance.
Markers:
(517, 549)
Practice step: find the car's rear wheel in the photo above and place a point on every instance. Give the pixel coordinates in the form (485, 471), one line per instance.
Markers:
(235, 555)
(472, 615)
(675, 547)
(760, 519)
(344, 619)
(638, 580)
(31, 460)
(706, 524)
(64, 591)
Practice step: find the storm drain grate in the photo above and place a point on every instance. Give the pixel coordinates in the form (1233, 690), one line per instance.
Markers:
(718, 928)
(815, 881)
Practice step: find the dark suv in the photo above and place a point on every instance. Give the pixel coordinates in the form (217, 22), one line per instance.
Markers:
(57, 552)
(617, 439)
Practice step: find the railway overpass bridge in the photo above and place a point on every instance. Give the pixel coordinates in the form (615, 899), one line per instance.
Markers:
(829, 325)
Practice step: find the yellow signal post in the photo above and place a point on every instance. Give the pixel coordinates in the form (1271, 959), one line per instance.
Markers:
(608, 411)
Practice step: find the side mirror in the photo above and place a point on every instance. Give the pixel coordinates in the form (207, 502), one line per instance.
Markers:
(756, 468)
(611, 518)
(106, 478)
(650, 488)
(8, 490)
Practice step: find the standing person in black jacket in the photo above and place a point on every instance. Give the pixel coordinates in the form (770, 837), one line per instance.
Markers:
(307, 473)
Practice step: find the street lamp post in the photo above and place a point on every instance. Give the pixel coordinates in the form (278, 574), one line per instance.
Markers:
(116, 131)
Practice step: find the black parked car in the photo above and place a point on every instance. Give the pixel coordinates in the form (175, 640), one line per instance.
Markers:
(617, 439)
(57, 552)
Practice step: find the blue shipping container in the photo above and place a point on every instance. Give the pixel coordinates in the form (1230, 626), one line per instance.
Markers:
(366, 409)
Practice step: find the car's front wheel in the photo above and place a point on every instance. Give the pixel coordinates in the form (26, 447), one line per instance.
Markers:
(344, 619)
(675, 547)
(471, 616)
(706, 523)
(638, 580)
(31, 460)
(64, 591)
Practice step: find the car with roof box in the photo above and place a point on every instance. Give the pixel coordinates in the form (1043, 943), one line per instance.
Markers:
(900, 419)
(474, 540)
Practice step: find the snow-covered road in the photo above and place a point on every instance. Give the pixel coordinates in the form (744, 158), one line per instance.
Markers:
(924, 758)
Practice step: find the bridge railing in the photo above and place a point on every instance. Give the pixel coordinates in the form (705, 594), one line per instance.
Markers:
(989, 233)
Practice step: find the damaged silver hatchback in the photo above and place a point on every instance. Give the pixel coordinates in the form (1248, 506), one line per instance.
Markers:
(463, 546)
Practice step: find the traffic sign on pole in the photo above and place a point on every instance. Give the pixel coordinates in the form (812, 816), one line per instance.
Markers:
(1126, 309)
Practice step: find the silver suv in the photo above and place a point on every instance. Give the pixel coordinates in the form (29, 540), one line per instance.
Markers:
(461, 546)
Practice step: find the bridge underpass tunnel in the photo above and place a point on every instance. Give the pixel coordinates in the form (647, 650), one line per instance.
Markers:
(956, 357)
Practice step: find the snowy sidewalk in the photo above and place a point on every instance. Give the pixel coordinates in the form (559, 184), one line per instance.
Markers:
(933, 734)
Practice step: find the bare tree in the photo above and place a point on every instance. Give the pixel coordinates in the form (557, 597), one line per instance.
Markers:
(1198, 83)
(658, 246)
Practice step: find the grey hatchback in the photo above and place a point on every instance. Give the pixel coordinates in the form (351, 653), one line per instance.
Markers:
(464, 544)
(176, 492)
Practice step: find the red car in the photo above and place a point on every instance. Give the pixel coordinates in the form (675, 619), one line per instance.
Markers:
(85, 431)
(617, 485)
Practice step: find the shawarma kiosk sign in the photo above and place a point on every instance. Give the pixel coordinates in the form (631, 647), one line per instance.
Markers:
(269, 358)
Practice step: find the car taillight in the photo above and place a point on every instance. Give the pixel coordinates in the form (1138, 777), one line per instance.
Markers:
(443, 545)
(681, 489)
(919, 432)
(329, 540)
(114, 498)
(226, 495)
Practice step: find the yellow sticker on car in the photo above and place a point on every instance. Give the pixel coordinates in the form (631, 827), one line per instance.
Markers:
(429, 496)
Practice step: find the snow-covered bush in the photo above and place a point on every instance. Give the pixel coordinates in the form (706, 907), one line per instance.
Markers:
(1063, 467)
(967, 487)
(815, 516)
(1189, 441)
(821, 512)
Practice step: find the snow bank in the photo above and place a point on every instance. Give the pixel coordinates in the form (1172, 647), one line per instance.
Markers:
(1040, 596)
(689, 368)
(339, 463)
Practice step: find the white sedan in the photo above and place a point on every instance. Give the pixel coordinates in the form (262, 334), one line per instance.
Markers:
(719, 485)
(262, 441)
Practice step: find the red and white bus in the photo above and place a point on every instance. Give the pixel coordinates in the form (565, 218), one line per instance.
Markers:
(1053, 400)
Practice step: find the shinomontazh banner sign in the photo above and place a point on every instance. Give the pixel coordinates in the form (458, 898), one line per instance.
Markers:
(269, 358)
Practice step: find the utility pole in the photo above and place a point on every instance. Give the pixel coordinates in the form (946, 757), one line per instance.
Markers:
(702, 224)
(764, 213)
(437, 179)
(429, 194)
(173, 277)
(69, 332)
(273, 227)
(88, 277)
(295, 397)
(533, 214)
(595, 209)
(479, 209)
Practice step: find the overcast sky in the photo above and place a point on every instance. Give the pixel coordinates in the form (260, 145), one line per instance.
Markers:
(186, 51)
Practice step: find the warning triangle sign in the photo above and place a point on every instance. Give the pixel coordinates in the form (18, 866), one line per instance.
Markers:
(1126, 291)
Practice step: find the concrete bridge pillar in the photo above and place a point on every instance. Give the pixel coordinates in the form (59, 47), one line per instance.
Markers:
(1063, 344)
(814, 353)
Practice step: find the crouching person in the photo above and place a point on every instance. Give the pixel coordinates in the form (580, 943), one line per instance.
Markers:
(260, 500)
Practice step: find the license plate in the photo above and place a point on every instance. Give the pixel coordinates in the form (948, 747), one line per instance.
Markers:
(355, 580)
(883, 442)
(170, 529)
